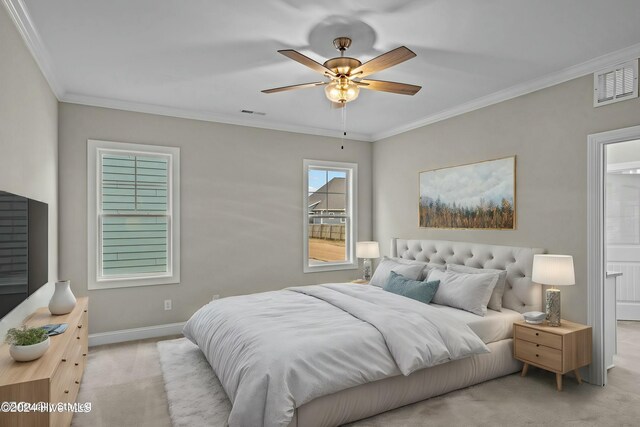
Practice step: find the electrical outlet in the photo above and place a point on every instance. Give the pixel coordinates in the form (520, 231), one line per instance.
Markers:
(215, 297)
(167, 304)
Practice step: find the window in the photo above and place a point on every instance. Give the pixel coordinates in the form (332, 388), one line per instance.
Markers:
(616, 84)
(134, 222)
(330, 226)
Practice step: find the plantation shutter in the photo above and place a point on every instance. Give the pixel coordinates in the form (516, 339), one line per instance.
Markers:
(135, 218)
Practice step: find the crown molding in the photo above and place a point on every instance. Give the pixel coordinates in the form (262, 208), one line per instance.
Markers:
(570, 73)
(20, 16)
(249, 121)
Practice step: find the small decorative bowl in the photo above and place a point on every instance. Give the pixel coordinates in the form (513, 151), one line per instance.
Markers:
(534, 317)
(27, 353)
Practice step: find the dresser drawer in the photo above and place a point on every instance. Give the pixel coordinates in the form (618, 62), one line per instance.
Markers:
(65, 382)
(62, 382)
(538, 337)
(546, 357)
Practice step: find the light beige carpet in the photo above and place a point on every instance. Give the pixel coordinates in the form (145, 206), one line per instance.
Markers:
(124, 384)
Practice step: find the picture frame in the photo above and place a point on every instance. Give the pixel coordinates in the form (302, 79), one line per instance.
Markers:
(479, 196)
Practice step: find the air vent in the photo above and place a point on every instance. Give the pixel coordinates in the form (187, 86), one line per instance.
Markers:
(615, 84)
(259, 113)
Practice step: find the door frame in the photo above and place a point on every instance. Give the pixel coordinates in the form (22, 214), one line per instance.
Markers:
(596, 269)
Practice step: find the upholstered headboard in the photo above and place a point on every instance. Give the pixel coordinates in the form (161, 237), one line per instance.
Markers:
(521, 294)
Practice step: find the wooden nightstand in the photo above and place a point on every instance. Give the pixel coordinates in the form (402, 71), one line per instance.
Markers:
(360, 282)
(557, 349)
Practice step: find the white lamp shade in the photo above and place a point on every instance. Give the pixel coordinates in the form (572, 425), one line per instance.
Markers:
(367, 250)
(556, 270)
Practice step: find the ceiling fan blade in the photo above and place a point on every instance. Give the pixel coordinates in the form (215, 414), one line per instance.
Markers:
(305, 60)
(384, 61)
(393, 87)
(293, 87)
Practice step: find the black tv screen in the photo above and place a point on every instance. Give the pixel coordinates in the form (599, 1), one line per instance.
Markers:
(24, 249)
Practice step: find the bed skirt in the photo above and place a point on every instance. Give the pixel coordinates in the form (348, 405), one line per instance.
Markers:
(390, 393)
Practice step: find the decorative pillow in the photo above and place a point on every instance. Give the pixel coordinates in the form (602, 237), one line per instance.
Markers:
(380, 276)
(495, 303)
(469, 292)
(414, 289)
(428, 266)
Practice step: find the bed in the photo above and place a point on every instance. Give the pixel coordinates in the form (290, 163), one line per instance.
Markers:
(475, 349)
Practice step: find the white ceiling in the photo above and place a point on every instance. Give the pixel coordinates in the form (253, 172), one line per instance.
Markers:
(210, 59)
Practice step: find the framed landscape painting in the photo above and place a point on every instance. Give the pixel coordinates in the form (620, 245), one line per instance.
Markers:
(479, 195)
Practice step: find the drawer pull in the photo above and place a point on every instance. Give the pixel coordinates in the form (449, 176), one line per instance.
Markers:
(84, 354)
(537, 355)
(537, 334)
(77, 338)
(64, 359)
(77, 382)
(537, 345)
(76, 363)
(85, 310)
(66, 391)
(79, 326)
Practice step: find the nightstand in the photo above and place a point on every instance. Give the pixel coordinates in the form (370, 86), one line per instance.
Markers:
(558, 349)
(360, 282)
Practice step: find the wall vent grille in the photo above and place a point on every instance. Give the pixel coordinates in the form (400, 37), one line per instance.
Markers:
(615, 84)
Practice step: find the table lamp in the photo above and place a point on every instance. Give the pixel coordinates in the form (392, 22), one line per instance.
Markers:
(554, 270)
(367, 250)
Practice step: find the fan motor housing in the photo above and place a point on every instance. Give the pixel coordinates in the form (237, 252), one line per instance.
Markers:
(342, 65)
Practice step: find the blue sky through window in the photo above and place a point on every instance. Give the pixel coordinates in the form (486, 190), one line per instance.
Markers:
(318, 178)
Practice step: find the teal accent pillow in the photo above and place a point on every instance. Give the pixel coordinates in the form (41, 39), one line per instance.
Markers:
(414, 289)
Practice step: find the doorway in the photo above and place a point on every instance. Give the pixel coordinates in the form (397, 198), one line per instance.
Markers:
(613, 245)
(622, 252)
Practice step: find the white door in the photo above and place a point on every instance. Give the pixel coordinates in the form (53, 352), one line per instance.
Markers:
(623, 235)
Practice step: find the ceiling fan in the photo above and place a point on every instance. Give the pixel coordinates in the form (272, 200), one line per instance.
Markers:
(346, 75)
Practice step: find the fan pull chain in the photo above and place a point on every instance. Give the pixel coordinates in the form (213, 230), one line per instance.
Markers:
(344, 124)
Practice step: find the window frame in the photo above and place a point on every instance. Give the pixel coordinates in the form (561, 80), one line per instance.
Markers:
(95, 150)
(351, 218)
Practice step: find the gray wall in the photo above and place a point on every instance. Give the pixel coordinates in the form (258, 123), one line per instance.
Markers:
(28, 146)
(547, 131)
(241, 210)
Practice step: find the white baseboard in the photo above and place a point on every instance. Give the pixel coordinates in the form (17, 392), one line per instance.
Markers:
(135, 334)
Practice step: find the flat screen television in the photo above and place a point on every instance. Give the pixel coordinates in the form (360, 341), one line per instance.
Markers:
(24, 249)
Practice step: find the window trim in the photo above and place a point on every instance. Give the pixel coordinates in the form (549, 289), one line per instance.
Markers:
(94, 150)
(352, 203)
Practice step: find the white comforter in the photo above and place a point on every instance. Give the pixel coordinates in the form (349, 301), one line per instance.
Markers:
(276, 351)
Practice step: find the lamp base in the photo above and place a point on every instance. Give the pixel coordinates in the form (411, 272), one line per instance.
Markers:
(552, 307)
(366, 269)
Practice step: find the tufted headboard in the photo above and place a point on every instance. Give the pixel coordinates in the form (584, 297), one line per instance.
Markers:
(520, 294)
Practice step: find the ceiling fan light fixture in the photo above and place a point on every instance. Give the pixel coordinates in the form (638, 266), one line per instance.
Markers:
(342, 91)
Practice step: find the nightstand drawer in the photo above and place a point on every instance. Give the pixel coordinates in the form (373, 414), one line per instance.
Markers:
(538, 354)
(538, 337)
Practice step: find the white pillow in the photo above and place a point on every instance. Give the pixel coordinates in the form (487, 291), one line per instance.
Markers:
(495, 303)
(387, 265)
(428, 266)
(469, 292)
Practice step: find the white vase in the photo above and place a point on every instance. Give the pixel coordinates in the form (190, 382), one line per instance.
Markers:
(62, 301)
(26, 353)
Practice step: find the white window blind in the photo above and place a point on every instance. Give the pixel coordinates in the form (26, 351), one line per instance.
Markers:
(135, 220)
(133, 215)
(616, 84)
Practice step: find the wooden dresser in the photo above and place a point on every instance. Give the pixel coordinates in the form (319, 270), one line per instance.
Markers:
(54, 378)
(558, 349)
